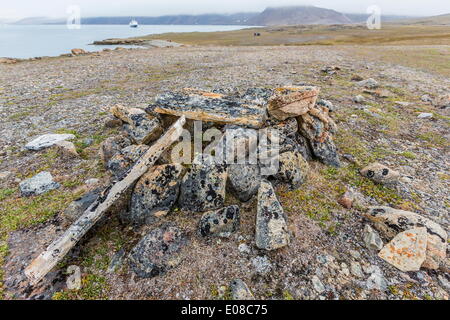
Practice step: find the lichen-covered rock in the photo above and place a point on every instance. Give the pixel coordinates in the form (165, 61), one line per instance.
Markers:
(158, 252)
(221, 223)
(141, 127)
(146, 132)
(155, 194)
(210, 106)
(47, 140)
(240, 291)
(303, 146)
(407, 251)
(112, 146)
(380, 174)
(289, 138)
(293, 169)
(39, 184)
(289, 102)
(243, 180)
(77, 207)
(327, 104)
(237, 145)
(203, 187)
(125, 159)
(319, 128)
(279, 138)
(390, 222)
(73, 281)
(271, 222)
(326, 152)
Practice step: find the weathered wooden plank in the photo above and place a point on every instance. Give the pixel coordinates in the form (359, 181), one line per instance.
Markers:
(38, 269)
(211, 107)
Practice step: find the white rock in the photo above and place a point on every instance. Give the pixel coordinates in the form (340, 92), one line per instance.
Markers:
(39, 184)
(317, 284)
(425, 115)
(262, 264)
(369, 83)
(240, 290)
(47, 140)
(73, 282)
(243, 248)
(407, 251)
(92, 182)
(355, 269)
(359, 99)
(372, 239)
(344, 269)
(403, 103)
(426, 98)
(376, 280)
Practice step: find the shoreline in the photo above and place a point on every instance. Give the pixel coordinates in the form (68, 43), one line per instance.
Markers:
(101, 34)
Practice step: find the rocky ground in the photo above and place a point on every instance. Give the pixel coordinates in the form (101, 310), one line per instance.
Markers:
(401, 124)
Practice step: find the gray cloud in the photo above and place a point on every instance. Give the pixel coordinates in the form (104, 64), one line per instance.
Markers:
(52, 8)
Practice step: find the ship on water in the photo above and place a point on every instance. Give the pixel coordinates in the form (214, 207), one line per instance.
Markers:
(134, 23)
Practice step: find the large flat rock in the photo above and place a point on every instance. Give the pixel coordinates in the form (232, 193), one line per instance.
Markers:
(47, 140)
(407, 251)
(291, 102)
(391, 221)
(271, 221)
(212, 107)
(39, 184)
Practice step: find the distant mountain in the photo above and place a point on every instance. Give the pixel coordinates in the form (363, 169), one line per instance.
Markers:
(299, 15)
(203, 19)
(441, 20)
(40, 20)
(292, 15)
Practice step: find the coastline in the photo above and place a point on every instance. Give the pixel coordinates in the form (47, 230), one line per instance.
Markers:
(26, 41)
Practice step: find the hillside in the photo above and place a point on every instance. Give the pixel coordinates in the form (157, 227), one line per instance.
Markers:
(443, 19)
(299, 15)
(204, 19)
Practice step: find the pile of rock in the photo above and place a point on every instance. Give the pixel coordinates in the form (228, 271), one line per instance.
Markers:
(301, 130)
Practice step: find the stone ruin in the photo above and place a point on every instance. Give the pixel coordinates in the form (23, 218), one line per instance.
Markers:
(260, 138)
(301, 131)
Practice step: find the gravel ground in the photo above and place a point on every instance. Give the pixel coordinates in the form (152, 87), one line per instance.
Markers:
(73, 95)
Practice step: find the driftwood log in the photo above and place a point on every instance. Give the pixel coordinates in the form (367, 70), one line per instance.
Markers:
(48, 259)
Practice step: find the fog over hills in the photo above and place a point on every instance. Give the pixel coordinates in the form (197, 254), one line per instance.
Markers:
(299, 15)
(292, 15)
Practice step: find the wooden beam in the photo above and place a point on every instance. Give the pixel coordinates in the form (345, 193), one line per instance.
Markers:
(48, 259)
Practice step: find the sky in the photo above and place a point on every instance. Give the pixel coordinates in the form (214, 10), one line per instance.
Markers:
(57, 8)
